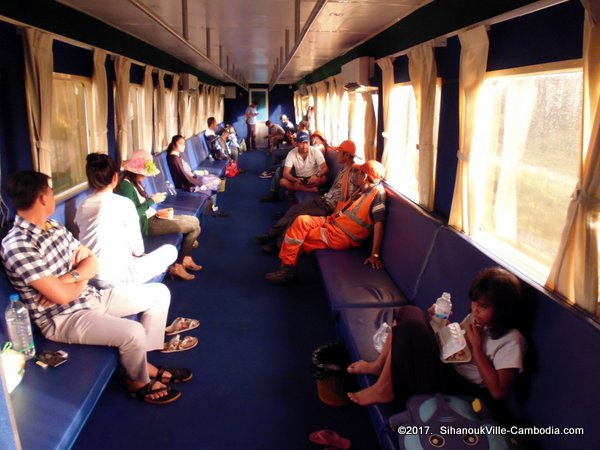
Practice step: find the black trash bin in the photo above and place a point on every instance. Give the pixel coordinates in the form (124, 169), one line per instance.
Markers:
(329, 364)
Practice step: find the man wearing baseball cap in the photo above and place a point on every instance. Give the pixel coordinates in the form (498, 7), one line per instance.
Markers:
(310, 168)
(345, 184)
(348, 227)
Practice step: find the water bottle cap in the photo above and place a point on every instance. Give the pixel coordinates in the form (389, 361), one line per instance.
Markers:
(14, 297)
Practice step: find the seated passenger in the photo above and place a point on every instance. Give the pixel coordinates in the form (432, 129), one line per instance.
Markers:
(410, 364)
(348, 227)
(50, 270)
(136, 168)
(109, 226)
(309, 167)
(185, 179)
(275, 137)
(219, 148)
(287, 124)
(345, 184)
(318, 141)
(210, 132)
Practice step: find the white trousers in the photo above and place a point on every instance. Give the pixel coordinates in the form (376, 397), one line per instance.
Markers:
(140, 270)
(105, 324)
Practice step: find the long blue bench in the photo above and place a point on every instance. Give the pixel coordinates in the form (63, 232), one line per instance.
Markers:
(51, 405)
(448, 261)
(197, 155)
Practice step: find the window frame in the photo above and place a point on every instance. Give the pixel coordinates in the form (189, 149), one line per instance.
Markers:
(90, 128)
(522, 261)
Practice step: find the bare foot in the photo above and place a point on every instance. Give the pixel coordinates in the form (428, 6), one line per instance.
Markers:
(366, 367)
(378, 393)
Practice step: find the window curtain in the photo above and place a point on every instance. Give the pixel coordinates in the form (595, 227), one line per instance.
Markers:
(148, 96)
(159, 116)
(387, 74)
(122, 69)
(423, 72)
(297, 106)
(100, 103)
(183, 108)
(575, 270)
(320, 102)
(370, 129)
(473, 60)
(194, 112)
(38, 87)
(334, 112)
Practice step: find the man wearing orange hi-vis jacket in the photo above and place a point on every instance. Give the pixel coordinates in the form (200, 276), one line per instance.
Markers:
(353, 222)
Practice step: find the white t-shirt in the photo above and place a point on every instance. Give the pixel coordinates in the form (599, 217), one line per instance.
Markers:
(251, 120)
(305, 167)
(109, 226)
(506, 352)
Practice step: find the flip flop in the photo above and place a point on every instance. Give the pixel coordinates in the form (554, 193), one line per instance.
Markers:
(178, 375)
(329, 438)
(176, 344)
(180, 325)
(145, 391)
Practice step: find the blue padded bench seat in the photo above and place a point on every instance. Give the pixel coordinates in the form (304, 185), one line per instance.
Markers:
(51, 405)
(203, 161)
(408, 236)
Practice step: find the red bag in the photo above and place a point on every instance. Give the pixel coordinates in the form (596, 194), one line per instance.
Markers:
(232, 169)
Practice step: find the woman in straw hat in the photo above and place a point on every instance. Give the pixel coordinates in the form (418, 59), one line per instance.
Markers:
(136, 168)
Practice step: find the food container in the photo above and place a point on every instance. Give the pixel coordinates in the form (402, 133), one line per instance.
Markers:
(453, 346)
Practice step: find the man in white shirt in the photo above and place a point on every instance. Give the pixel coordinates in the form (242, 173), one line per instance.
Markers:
(251, 114)
(304, 168)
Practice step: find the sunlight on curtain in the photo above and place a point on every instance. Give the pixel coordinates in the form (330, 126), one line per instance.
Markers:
(69, 133)
(402, 158)
(525, 161)
(122, 72)
(343, 128)
(358, 107)
(148, 96)
(159, 117)
(136, 115)
(100, 103)
(575, 270)
(387, 79)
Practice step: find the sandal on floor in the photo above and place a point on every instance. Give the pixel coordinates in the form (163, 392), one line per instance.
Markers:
(176, 344)
(145, 391)
(180, 325)
(178, 375)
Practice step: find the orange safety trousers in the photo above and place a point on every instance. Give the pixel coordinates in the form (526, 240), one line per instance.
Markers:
(311, 233)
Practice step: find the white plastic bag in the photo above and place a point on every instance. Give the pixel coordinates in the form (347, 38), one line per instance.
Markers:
(380, 336)
(13, 365)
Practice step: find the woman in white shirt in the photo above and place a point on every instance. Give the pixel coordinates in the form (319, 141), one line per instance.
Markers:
(109, 225)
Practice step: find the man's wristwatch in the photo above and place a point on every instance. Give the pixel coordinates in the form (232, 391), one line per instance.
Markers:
(75, 275)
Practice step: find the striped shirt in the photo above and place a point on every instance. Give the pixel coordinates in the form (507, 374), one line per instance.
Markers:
(30, 253)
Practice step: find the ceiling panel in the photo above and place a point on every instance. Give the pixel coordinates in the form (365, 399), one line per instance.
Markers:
(250, 34)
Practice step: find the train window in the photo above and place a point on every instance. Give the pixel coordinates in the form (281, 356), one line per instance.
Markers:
(525, 163)
(70, 131)
(403, 139)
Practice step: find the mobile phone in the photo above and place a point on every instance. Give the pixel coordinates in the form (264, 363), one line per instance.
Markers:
(52, 358)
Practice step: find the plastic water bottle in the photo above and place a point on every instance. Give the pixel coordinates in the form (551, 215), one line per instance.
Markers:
(19, 327)
(443, 307)
(441, 312)
(170, 188)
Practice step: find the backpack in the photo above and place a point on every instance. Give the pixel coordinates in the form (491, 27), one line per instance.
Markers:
(450, 422)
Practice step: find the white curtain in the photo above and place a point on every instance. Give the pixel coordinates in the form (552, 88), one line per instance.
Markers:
(370, 128)
(387, 74)
(38, 88)
(100, 103)
(183, 109)
(195, 112)
(148, 97)
(122, 69)
(334, 112)
(297, 106)
(575, 270)
(159, 115)
(423, 73)
(172, 124)
(473, 62)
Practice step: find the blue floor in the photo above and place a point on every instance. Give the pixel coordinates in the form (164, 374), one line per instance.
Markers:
(252, 385)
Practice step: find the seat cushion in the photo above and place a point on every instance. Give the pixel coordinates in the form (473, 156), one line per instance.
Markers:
(351, 284)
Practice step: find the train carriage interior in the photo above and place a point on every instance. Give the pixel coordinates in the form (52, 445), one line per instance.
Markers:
(485, 117)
